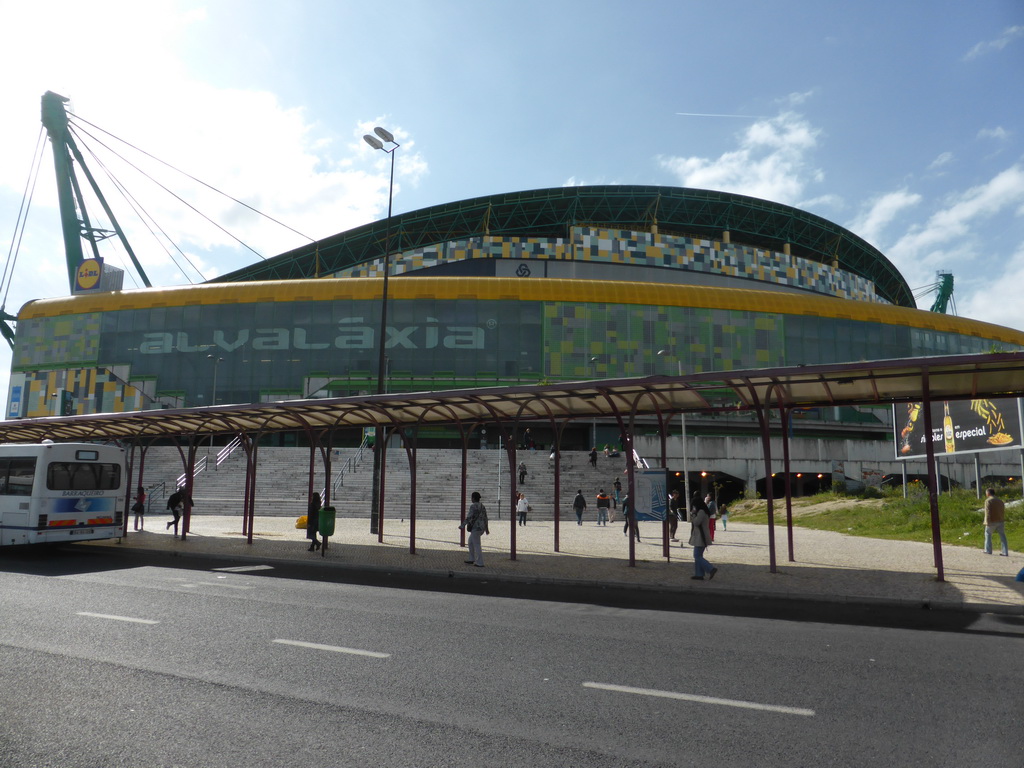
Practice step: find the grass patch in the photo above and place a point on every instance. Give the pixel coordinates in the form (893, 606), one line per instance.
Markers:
(892, 516)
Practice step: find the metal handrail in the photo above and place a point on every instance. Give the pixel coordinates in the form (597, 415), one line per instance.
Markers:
(640, 461)
(158, 490)
(225, 453)
(349, 466)
(199, 467)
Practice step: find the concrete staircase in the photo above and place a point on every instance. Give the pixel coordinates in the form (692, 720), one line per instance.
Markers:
(282, 482)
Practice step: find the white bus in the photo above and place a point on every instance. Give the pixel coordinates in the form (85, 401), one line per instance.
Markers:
(61, 492)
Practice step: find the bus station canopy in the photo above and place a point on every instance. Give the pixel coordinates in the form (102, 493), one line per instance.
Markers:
(953, 377)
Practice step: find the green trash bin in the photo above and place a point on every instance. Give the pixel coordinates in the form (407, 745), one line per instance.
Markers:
(327, 515)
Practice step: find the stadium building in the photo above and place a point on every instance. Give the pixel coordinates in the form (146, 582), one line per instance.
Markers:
(542, 286)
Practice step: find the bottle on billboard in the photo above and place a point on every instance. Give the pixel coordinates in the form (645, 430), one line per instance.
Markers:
(947, 430)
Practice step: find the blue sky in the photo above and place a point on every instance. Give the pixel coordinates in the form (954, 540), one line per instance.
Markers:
(899, 120)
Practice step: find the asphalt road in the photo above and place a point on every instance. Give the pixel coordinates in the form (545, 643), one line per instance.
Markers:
(108, 661)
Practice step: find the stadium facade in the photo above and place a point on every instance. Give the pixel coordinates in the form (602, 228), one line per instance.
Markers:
(542, 286)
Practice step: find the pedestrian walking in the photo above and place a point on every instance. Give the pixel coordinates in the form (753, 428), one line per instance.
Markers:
(578, 505)
(673, 515)
(604, 503)
(697, 502)
(616, 495)
(995, 521)
(313, 522)
(176, 503)
(139, 508)
(522, 473)
(476, 524)
(522, 507)
(723, 515)
(700, 540)
(593, 457)
(709, 502)
(629, 514)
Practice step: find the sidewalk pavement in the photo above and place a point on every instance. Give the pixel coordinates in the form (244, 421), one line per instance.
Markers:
(830, 567)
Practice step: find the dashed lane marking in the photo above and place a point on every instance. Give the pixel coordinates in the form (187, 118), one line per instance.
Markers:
(702, 699)
(218, 584)
(117, 618)
(244, 568)
(335, 649)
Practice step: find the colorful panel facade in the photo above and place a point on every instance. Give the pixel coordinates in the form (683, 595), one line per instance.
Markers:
(274, 350)
(642, 249)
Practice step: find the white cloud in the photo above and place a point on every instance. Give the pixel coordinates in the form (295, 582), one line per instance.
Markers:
(796, 99)
(881, 212)
(994, 46)
(119, 61)
(834, 202)
(942, 160)
(999, 133)
(949, 236)
(244, 142)
(997, 299)
(771, 162)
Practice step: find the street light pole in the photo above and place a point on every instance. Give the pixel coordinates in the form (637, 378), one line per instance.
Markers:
(682, 422)
(213, 401)
(383, 136)
(593, 423)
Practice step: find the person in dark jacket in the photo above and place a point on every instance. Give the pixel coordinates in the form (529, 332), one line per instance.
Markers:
(629, 513)
(673, 515)
(578, 505)
(176, 503)
(604, 503)
(313, 522)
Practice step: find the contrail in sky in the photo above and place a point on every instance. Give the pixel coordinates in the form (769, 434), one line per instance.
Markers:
(745, 117)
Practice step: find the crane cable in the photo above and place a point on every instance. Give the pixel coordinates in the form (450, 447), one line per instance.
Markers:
(19, 227)
(172, 194)
(198, 181)
(146, 218)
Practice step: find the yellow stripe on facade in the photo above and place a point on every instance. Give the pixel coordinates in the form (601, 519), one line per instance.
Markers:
(519, 289)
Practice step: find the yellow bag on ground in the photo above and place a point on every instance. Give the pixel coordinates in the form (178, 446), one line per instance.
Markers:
(301, 522)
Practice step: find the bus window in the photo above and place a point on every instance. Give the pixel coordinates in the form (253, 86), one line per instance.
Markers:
(18, 475)
(74, 476)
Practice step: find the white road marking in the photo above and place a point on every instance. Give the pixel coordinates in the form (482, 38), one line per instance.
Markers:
(222, 585)
(335, 649)
(218, 584)
(117, 618)
(244, 568)
(702, 699)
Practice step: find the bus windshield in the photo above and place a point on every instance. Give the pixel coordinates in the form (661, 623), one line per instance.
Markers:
(78, 476)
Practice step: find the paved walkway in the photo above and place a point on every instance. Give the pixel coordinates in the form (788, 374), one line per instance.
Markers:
(829, 566)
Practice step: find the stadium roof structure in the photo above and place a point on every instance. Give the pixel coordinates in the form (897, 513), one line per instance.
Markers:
(552, 213)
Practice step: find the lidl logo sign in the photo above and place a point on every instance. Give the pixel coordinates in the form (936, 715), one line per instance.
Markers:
(88, 276)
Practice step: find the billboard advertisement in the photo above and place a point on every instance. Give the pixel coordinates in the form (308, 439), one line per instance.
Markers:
(958, 426)
(651, 499)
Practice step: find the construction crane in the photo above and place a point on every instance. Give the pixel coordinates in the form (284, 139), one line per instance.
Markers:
(73, 215)
(943, 290)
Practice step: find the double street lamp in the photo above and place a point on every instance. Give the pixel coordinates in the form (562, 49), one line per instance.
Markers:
(382, 140)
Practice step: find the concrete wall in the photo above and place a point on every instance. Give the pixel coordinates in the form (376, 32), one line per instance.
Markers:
(742, 457)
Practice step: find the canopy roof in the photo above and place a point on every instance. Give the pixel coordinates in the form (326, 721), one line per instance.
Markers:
(879, 382)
